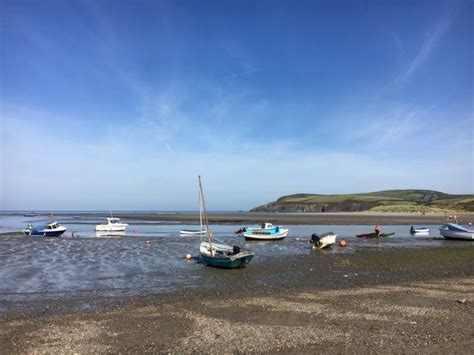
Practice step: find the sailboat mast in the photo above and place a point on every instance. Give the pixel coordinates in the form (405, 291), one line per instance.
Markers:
(200, 213)
(208, 230)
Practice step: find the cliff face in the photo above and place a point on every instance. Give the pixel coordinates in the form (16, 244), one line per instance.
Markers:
(315, 207)
(383, 201)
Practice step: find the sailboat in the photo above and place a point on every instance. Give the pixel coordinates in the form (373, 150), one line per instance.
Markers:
(219, 255)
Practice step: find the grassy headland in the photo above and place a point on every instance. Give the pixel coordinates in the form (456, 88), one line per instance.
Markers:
(404, 201)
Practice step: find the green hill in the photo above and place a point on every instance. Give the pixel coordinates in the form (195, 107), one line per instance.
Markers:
(380, 201)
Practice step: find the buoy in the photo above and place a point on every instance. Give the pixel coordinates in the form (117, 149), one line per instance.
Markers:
(297, 239)
(342, 243)
(188, 257)
(147, 242)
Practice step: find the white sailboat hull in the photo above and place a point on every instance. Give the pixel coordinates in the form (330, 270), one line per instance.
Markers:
(192, 233)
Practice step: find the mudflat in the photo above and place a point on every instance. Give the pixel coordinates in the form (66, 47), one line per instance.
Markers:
(390, 301)
(342, 218)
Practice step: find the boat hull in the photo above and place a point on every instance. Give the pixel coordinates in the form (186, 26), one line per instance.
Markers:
(325, 241)
(266, 236)
(191, 233)
(226, 263)
(457, 235)
(47, 233)
(374, 235)
(110, 228)
(223, 256)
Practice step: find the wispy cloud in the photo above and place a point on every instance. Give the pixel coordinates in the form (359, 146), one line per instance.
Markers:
(427, 48)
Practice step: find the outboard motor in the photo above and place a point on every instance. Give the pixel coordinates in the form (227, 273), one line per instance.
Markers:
(315, 238)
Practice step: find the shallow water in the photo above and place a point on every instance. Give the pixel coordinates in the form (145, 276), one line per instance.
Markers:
(148, 257)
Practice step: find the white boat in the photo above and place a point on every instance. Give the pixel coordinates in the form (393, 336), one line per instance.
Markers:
(52, 229)
(323, 241)
(113, 225)
(195, 232)
(455, 231)
(192, 232)
(266, 232)
(420, 230)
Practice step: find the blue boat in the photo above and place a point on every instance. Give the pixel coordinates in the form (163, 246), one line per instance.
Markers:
(266, 232)
(52, 229)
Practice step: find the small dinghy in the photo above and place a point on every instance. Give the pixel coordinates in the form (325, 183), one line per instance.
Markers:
(322, 241)
(455, 231)
(420, 230)
(191, 232)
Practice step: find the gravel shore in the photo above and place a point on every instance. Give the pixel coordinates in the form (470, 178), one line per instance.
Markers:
(395, 301)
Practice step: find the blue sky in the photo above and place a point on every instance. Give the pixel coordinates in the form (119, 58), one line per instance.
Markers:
(121, 104)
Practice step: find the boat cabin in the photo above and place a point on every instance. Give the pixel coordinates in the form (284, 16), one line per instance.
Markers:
(113, 220)
(53, 225)
(267, 225)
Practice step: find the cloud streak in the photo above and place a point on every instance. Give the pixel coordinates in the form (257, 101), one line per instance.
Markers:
(426, 50)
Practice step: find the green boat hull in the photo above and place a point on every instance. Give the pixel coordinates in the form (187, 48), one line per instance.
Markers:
(226, 263)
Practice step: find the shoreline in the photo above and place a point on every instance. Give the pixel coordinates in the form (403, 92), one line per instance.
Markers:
(391, 300)
(339, 218)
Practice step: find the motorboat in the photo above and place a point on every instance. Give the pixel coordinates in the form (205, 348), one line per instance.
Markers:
(455, 231)
(52, 229)
(266, 232)
(113, 224)
(322, 241)
(419, 230)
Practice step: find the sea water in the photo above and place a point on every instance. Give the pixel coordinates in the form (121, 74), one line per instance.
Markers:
(149, 257)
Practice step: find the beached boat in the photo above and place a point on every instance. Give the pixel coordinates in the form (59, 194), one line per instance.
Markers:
(52, 229)
(323, 241)
(266, 232)
(374, 235)
(455, 231)
(218, 254)
(420, 230)
(224, 256)
(112, 225)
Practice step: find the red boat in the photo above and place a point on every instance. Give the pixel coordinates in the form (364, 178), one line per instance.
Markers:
(368, 235)
(374, 235)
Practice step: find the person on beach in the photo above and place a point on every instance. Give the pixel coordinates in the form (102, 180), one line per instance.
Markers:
(378, 230)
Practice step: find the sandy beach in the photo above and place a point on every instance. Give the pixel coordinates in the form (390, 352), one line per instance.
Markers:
(343, 218)
(394, 301)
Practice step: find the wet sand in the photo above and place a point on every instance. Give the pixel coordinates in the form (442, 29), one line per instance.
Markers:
(395, 301)
(349, 218)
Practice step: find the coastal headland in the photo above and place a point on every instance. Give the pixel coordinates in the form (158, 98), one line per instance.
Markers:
(391, 301)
